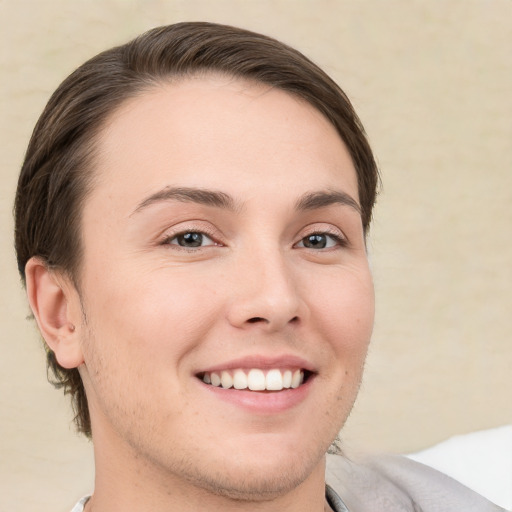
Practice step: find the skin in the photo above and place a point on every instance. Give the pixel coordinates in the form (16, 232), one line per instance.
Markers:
(150, 314)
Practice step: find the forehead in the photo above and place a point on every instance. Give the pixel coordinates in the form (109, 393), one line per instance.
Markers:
(219, 132)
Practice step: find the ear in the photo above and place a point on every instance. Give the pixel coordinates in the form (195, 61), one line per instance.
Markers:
(54, 300)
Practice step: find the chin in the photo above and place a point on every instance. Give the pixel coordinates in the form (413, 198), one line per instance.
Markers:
(262, 475)
(254, 483)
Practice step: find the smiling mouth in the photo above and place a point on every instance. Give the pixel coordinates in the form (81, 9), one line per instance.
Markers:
(256, 379)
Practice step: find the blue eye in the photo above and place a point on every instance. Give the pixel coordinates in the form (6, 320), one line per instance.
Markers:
(191, 239)
(320, 241)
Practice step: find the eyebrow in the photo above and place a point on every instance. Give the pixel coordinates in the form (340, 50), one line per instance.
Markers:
(190, 195)
(316, 200)
(217, 199)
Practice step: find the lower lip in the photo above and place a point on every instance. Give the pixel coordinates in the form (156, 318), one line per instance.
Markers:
(261, 402)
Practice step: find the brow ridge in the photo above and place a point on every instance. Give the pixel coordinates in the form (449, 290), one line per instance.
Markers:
(218, 199)
(190, 194)
(322, 199)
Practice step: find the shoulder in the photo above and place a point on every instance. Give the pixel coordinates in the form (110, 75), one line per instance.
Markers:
(394, 483)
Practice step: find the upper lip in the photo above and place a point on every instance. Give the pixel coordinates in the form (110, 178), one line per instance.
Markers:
(262, 362)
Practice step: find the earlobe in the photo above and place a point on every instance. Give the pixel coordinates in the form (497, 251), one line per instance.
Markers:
(49, 295)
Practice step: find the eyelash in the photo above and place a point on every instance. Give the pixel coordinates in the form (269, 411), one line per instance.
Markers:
(204, 232)
(340, 240)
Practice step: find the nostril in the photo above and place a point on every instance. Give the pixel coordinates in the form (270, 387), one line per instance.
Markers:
(256, 319)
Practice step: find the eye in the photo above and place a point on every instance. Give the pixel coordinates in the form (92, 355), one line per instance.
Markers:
(321, 241)
(190, 240)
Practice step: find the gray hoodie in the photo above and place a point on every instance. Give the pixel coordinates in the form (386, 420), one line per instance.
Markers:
(397, 484)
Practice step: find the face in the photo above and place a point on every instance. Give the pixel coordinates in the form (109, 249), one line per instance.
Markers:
(223, 251)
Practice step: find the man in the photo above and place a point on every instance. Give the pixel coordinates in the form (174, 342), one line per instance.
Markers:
(190, 224)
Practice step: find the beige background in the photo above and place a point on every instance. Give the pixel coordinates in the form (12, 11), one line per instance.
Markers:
(432, 82)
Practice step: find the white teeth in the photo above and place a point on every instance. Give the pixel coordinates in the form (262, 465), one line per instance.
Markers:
(297, 379)
(239, 380)
(274, 380)
(255, 379)
(287, 379)
(226, 380)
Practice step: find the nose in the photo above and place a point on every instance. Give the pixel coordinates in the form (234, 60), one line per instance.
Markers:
(266, 294)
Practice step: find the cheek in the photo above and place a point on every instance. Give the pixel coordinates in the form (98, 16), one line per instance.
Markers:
(344, 315)
(137, 339)
(155, 317)
(345, 312)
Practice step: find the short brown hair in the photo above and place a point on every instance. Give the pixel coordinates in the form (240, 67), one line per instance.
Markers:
(56, 175)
